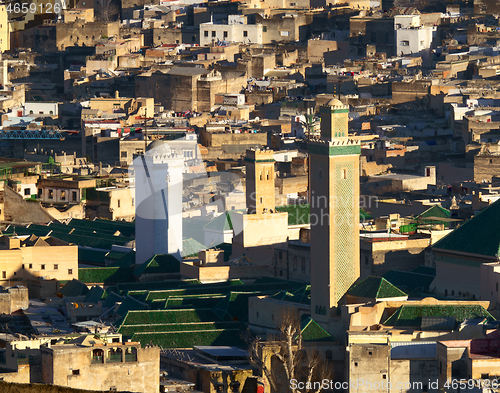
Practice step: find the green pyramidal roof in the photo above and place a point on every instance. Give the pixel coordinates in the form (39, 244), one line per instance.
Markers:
(375, 288)
(411, 315)
(435, 211)
(479, 235)
(311, 331)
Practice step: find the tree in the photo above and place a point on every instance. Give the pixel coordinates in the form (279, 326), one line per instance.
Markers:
(284, 358)
(310, 123)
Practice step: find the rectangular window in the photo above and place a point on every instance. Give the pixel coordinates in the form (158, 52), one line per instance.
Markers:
(245, 33)
(118, 202)
(63, 195)
(56, 267)
(4, 274)
(30, 266)
(70, 271)
(205, 33)
(405, 43)
(264, 29)
(213, 33)
(51, 194)
(123, 154)
(225, 34)
(284, 33)
(74, 195)
(27, 192)
(42, 267)
(76, 372)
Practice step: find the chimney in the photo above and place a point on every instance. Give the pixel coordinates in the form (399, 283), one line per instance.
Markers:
(117, 94)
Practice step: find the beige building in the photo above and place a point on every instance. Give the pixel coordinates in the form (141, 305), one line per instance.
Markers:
(67, 190)
(26, 258)
(115, 367)
(4, 29)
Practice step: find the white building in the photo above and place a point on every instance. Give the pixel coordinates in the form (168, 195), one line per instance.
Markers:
(158, 195)
(43, 109)
(235, 30)
(412, 37)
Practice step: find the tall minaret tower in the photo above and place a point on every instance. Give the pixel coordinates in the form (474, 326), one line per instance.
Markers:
(260, 181)
(158, 199)
(334, 199)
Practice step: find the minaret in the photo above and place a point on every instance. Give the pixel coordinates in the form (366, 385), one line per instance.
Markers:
(158, 198)
(334, 199)
(259, 181)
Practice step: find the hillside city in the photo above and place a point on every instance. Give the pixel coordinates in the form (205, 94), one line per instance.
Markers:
(250, 196)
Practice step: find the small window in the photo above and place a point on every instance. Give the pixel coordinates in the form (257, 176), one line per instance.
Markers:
(56, 267)
(30, 266)
(205, 33)
(42, 267)
(213, 33)
(343, 174)
(70, 271)
(261, 200)
(485, 376)
(123, 154)
(4, 274)
(27, 192)
(272, 317)
(405, 43)
(264, 29)
(76, 372)
(245, 33)
(51, 194)
(63, 195)
(370, 353)
(118, 202)
(225, 34)
(257, 314)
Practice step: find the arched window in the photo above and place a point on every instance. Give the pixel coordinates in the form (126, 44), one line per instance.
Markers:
(131, 354)
(97, 356)
(114, 355)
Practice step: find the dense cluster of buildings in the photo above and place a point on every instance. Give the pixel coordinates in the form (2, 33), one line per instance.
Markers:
(182, 184)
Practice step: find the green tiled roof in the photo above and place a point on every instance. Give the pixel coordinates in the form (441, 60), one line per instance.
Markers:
(223, 222)
(130, 304)
(126, 260)
(300, 214)
(411, 315)
(235, 306)
(375, 288)
(410, 282)
(107, 275)
(129, 330)
(193, 301)
(302, 295)
(191, 247)
(111, 299)
(90, 255)
(479, 235)
(435, 211)
(312, 332)
(159, 264)
(94, 295)
(232, 337)
(169, 316)
(152, 286)
(74, 288)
